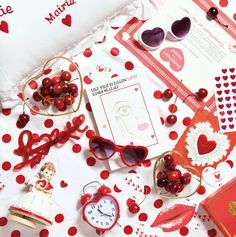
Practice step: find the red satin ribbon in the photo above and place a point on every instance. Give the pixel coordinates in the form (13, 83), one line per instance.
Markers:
(33, 156)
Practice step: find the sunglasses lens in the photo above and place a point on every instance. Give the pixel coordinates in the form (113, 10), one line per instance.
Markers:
(154, 37)
(181, 28)
(102, 149)
(133, 156)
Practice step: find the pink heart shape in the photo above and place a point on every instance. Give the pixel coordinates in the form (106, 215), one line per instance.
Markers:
(174, 56)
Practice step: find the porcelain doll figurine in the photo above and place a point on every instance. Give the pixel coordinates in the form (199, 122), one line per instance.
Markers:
(35, 206)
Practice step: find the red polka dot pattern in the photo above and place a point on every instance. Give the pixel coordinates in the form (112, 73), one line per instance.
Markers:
(6, 165)
(72, 231)
(48, 123)
(20, 179)
(147, 189)
(6, 112)
(33, 85)
(44, 233)
(173, 135)
(128, 230)
(15, 233)
(183, 231)
(91, 161)
(59, 218)
(143, 217)
(87, 53)
(6, 138)
(104, 174)
(186, 121)
(76, 148)
(201, 190)
(90, 133)
(129, 65)
(115, 51)
(146, 163)
(157, 94)
(158, 203)
(173, 108)
(3, 221)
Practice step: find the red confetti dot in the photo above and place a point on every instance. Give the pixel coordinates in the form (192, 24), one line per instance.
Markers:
(158, 203)
(76, 148)
(157, 94)
(103, 40)
(72, 231)
(223, 3)
(87, 52)
(6, 112)
(6, 165)
(115, 27)
(48, 123)
(91, 161)
(132, 172)
(72, 67)
(20, 179)
(146, 163)
(47, 71)
(128, 230)
(104, 174)
(147, 189)
(186, 121)
(90, 133)
(129, 201)
(87, 80)
(44, 233)
(162, 120)
(59, 218)
(34, 110)
(173, 108)
(20, 95)
(3, 221)
(201, 190)
(212, 232)
(114, 75)
(230, 163)
(15, 233)
(88, 107)
(234, 16)
(173, 135)
(6, 138)
(33, 85)
(184, 231)
(143, 217)
(115, 51)
(129, 65)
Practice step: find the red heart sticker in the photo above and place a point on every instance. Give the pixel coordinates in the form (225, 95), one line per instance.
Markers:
(205, 146)
(66, 20)
(4, 27)
(63, 184)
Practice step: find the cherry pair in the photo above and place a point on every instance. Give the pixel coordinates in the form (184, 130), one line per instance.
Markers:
(23, 119)
(213, 13)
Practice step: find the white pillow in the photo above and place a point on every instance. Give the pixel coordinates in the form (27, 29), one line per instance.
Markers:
(32, 31)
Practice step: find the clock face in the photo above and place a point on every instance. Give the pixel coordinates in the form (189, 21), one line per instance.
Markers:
(102, 214)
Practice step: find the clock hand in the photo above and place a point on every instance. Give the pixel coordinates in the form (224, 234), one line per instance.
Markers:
(100, 211)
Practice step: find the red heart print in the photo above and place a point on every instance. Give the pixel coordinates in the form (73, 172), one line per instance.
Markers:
(224, 70)
(221, 106)
(227, 98)
(218, 85)
(4, 27)
(233, 83)
(222, 113)
(67, 20)
(223, 120)
(226, 84)
(223, 127)
(205, 146)
(229, 112)
(232, 77)
(217, 176)
(63, 184)
(219, 92)
(225, 77)
(220, 99)
(217, 78)
(227, 91)
(228, 105)
(231, 70)
(230, 119)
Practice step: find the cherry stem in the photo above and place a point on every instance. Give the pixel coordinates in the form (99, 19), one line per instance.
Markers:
(221, 22)
(193, 94)
(24, 106)
(92, 182)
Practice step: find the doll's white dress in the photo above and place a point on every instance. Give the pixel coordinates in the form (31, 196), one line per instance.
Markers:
(36, 203)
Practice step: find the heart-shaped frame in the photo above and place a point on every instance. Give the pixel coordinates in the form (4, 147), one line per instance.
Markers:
(39, 75)
(185, 166)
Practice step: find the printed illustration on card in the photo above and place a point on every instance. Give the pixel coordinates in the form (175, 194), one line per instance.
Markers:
(203, 145)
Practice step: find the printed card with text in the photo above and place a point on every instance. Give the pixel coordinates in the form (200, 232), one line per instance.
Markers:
(125, 113)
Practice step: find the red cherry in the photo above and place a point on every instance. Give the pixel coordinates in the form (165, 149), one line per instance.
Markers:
(47, 100)
(103, 190)
(173, 188)
(160, 174)
(171, 119)
(134, 208)
(69, 100)
(185, 178)
(63, 108)
(179, 172)
(75, 94)
(167, 94)
(202, 93)
(162, 182)
(46, 82)
(37, 96)
(57, 88)
(173, 176)
(168, 159)
(85, 198)
(59, 103)
(24, 118)
(73, 88)
(66, 76)
(180, 187)
(170, 166)
(56, 80)
(44, 91)
(65, 88)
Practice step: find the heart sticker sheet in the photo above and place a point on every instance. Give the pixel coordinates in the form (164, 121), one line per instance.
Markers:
(225, 93)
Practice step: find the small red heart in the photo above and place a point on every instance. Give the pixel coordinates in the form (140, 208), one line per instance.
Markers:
(66, 20)
(212, 233)
(204, 146)
(4, 27)
(63, 184)
(217, 176)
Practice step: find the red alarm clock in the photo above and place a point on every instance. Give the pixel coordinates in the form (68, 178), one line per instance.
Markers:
(100, 210)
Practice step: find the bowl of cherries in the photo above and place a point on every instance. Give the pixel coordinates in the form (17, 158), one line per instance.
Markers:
(171, 180)
(53, 91)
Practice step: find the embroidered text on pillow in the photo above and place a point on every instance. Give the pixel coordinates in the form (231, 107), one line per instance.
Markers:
(7, 10)
(60, 8)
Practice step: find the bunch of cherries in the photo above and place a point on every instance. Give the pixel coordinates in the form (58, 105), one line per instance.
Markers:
(171, 178)
(59, 91)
